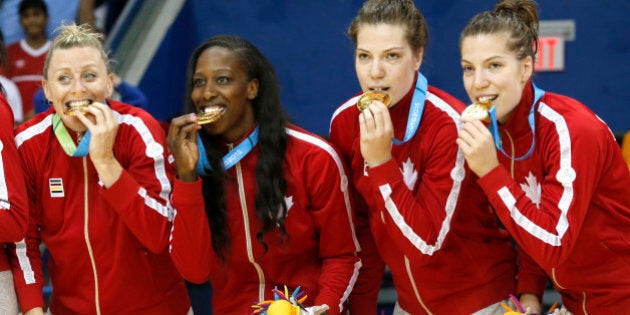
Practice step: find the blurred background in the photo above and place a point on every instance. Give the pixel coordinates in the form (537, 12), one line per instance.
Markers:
(306, 42)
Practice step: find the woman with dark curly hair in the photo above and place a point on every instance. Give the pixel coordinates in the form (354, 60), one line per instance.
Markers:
(260, 202)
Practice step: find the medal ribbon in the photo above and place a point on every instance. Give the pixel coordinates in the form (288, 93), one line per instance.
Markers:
(66, 140)
(415, 112)
(494, 126)
(231, 158)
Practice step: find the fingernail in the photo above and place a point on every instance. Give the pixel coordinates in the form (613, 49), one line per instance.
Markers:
(193, 116)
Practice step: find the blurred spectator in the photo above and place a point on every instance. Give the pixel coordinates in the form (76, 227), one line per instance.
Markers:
(101, 14)
(26, 57)
(10, 89)
(58, 12)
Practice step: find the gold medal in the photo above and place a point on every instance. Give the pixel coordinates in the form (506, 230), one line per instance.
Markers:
(366, 99)
(209, 115)
(477, 111)
(73, 108)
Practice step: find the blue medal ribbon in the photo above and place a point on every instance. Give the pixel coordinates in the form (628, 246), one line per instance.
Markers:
(416, 109)
(494, 126)
(66, 140)
(231, 158)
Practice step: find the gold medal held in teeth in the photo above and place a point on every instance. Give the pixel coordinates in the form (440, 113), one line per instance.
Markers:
(71, 110)
(209, 115)
(477, 111)
(369, 96)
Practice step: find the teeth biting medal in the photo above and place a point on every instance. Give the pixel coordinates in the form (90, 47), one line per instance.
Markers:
(209, 115)
(478, 110)
(71, 108)
(369, 96)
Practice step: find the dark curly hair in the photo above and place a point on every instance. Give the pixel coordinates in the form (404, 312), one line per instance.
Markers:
(272, 143)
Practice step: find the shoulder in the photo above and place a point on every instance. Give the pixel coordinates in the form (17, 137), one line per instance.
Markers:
(444, 101)
(32, 128)
(569, 119)
(14, 47)
(441, 111)
(563, 110)
(308, 143)
(128, 113)
(136, 124)
(345, 110)
(5, 109)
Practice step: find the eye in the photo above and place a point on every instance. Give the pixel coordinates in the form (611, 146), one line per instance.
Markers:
(63, 78)
(197, 82)
(362, 56)
(89, 76)
(467, 69)
(495, 65)
(222, 80)
(393, 56)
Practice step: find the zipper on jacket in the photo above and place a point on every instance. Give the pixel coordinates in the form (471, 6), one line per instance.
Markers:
(513, 153)
(86, 230)
(584, 303)
(415, 288)
(248, 239)
(555, 282)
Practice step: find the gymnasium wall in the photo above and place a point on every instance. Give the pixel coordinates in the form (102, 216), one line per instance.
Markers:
(306, 42)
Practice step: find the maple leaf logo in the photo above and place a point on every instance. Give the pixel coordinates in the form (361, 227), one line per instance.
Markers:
(532, 189)
(289, 202)
(410, 175)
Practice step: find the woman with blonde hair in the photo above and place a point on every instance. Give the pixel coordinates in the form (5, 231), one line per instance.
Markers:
(99, 185)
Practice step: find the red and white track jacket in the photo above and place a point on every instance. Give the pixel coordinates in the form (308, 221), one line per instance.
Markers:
(108, 247)
(430, 222)
(568, 204)
(13, 201)
(319, 253)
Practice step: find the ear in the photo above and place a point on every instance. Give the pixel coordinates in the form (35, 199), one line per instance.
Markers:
(527, 69)
(110, 85)
(46, 89)
(418, 59)
(252, 89)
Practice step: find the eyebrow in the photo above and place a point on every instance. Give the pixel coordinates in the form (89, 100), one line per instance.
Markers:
(487, 59)
(386, 50)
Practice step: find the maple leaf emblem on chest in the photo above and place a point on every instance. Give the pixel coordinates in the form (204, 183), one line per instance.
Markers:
(410, 175)
(289, 202)
(532, 189)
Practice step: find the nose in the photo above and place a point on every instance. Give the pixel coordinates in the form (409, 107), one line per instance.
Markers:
(209, 92)
(480, 80)
(78, 86)
(376, 69)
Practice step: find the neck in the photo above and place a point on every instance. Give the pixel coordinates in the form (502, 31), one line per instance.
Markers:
(36, 41)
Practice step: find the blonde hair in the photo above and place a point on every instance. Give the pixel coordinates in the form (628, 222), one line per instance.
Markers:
(73, 35)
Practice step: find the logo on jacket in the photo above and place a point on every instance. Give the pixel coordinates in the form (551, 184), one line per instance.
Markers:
(410, 175)
(532, 189)
(289, 202)
(56, 187)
